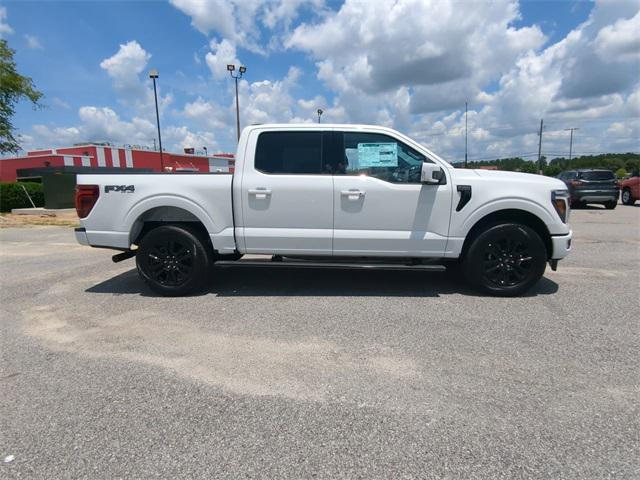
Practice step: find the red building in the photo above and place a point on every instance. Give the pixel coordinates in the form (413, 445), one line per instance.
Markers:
(93, 156)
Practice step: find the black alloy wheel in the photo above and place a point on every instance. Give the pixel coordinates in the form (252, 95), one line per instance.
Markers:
(170, 262)
(507, 262)
(505, 259)
(173, 260)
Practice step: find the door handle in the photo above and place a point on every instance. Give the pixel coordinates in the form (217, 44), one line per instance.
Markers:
(259, 192)
(353, 194)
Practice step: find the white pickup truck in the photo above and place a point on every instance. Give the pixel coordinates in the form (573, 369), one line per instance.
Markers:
(330, 195)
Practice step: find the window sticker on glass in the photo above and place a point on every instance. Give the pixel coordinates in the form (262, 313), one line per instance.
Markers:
(377, 155)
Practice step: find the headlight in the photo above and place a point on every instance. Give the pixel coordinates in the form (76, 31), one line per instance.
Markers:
(560, 201)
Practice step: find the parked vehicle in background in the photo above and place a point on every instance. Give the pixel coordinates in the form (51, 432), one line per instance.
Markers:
(352, 195)
(591, 186)
(630, 189)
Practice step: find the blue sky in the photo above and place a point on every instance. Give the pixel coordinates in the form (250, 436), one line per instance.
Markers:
(407, 64)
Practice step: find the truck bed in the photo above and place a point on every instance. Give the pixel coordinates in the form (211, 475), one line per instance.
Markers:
(125, 199)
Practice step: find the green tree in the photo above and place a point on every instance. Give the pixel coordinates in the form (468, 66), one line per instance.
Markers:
(621, 173)
(13, 88)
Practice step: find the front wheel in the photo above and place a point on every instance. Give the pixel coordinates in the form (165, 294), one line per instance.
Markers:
(611, 205)
(627, 199)
(505, 260)
(173, 260)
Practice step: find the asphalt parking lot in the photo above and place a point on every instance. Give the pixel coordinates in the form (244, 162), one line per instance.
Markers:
(289, 373)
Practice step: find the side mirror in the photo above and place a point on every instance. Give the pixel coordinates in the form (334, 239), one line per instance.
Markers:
(431, 174)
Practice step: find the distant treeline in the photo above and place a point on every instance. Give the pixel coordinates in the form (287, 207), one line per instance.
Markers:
(620, 163)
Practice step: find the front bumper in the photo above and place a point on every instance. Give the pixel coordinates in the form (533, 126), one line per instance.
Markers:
(81, 236)
(561, 245)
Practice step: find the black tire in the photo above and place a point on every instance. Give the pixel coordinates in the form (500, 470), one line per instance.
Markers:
(173, 260)
(575, 204)
(626, 197)
(505, 260)
(611, 205)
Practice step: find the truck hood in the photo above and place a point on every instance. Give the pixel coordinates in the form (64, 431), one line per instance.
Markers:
(519, 177)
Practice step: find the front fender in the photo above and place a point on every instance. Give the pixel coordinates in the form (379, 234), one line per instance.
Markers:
(510, 203)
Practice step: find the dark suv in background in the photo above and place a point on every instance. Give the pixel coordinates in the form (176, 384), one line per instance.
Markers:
(591, 186)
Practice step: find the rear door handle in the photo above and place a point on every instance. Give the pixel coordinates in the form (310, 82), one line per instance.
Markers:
(353, 194)
(259, 192)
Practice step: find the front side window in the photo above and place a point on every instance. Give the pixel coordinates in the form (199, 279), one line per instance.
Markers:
(289, 153)
(382, 157)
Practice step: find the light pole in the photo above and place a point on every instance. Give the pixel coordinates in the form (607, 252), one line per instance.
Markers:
(465, 134)
(206, 152)
(231, 69)
(570, 141)
(320, 112)
(153, 75)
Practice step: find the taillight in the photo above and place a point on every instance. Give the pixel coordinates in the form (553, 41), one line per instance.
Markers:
(576, 183)
(86, 198)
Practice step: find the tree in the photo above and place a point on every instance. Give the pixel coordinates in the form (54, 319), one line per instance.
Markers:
(13, 88)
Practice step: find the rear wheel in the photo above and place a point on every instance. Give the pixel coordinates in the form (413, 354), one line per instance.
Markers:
(627, 199)
(611, 205)
(173, 260)
(505, 260)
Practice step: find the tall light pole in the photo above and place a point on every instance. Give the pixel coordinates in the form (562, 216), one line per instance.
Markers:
(320, 112)
(153, 75)
(540, 146)
(241, 70)
(570, 140)
(466, 131)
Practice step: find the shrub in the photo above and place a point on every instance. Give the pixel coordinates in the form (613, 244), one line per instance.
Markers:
(12, 195)
(621, 173)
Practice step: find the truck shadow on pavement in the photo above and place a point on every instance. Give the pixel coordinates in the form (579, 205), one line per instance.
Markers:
(281, 281)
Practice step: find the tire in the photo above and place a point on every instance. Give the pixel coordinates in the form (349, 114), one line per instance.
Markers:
(173, 260)
(505, 260)
(626, 197)
(575, 204)
(611, 205)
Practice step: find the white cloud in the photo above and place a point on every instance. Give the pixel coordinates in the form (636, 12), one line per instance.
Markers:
(240, 21)
(428, 57)
(135, 92)
(104, 124)
(418, 43)
(5, 28)
(126, 65)
(58, 102)
(222, 54)
(33, 42)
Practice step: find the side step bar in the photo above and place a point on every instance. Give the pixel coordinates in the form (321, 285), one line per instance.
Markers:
(306, 264)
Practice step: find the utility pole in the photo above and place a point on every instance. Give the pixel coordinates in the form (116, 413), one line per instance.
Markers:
(466, 131)
(570, 140)
(540, 147)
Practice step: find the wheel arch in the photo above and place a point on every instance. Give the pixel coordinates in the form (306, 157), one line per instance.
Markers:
(510, 215)
(166, 215)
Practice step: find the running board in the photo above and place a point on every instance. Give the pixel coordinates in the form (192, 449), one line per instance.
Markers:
(305, 264)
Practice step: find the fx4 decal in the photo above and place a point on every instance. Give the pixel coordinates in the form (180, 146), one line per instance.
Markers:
(119, 188)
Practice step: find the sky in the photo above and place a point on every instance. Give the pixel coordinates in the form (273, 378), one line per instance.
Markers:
(406, 64)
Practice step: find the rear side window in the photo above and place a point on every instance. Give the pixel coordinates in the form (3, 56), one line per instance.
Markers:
(289, 152)
(597, 175)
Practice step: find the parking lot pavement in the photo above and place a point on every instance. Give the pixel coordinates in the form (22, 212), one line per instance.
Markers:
(283, 373)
